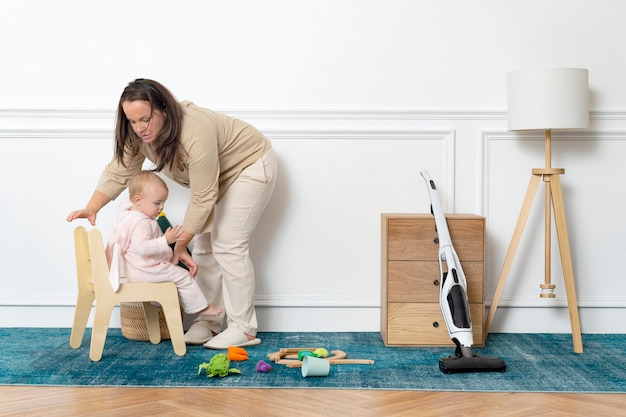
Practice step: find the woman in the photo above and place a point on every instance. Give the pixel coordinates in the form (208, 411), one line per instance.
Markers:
(230, 168)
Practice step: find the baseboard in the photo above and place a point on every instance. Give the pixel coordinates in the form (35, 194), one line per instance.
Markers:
(352, 319)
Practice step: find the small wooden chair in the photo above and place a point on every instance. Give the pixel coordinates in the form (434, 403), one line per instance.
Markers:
(94, 284)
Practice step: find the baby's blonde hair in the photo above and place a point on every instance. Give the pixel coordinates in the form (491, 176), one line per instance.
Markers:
(139, 181)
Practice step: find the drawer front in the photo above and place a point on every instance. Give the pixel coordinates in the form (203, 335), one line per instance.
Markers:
(416, 238)
(413, 324)
(418, 282)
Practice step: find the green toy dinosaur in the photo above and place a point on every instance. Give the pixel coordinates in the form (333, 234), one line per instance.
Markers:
(219, 365)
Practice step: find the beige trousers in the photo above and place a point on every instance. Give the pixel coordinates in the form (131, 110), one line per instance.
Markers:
(225, 270)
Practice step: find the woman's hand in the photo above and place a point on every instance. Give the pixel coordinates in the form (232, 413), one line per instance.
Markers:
(181, 255)
(96, 202)
(82, 214)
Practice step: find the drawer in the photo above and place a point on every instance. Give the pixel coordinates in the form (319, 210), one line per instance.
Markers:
(413, 324)
(416, 238)
(418, 281)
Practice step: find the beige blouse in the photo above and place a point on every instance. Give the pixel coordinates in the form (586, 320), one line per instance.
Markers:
(216, 147)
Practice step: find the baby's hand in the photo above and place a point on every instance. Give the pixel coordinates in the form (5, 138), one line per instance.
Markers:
(172, 233)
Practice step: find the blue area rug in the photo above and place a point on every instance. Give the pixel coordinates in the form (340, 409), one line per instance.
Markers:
(535, 362)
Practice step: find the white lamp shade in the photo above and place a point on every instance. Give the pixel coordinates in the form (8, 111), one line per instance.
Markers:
(555, 98)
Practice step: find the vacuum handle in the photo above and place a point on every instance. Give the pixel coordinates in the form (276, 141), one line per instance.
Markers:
(437, 211)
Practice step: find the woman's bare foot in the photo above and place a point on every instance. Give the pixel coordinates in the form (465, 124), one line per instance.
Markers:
(211, 311)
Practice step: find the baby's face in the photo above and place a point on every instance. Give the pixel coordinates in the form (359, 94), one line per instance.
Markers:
(151, 201)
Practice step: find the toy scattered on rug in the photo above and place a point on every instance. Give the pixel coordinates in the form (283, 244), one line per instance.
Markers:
(317, 353)
(292, 357)
(262, 366)
(219, 365)
(237, 354)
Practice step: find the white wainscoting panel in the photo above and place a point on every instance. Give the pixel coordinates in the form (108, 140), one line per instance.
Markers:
(317, 247)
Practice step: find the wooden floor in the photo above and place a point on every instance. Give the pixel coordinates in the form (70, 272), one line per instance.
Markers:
(182, 402)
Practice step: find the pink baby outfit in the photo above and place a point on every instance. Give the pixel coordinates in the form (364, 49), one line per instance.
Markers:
(147, 257)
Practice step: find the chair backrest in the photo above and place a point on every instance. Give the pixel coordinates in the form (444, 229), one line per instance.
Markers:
(98, 262)
(83, 260)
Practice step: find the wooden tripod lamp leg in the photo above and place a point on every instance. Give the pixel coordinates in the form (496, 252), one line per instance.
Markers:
(515, 240)
(547, 288)
(566, 261)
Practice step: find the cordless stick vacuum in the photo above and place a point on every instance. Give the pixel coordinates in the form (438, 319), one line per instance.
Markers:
(453, 299)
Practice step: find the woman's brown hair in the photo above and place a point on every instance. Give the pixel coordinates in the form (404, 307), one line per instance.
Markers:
(167, 143)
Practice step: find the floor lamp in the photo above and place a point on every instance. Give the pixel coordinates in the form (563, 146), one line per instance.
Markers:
(546, 99)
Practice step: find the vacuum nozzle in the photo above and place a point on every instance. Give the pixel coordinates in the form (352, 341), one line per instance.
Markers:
(455, 365)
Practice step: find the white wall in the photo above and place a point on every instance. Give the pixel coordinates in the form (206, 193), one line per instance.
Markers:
(357, 97)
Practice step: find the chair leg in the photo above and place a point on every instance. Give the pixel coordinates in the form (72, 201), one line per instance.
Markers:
(101, 320)
(81, 316)
(174, 320)
(151, 314)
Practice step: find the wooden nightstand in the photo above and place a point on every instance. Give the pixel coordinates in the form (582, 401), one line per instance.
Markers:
(410, 314)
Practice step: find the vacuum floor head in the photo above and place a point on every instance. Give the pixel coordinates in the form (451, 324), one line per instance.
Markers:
(455, 365)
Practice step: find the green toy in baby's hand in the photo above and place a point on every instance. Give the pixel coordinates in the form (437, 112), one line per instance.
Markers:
(219, 365)
(165, 224)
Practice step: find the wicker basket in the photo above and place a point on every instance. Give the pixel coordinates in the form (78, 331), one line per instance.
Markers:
(134, 322)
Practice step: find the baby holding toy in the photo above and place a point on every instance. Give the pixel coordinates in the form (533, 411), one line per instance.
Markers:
(145, 248)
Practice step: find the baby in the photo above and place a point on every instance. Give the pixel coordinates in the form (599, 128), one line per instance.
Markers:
(145, 248)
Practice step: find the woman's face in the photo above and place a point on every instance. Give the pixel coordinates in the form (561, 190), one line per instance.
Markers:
(146, 122)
